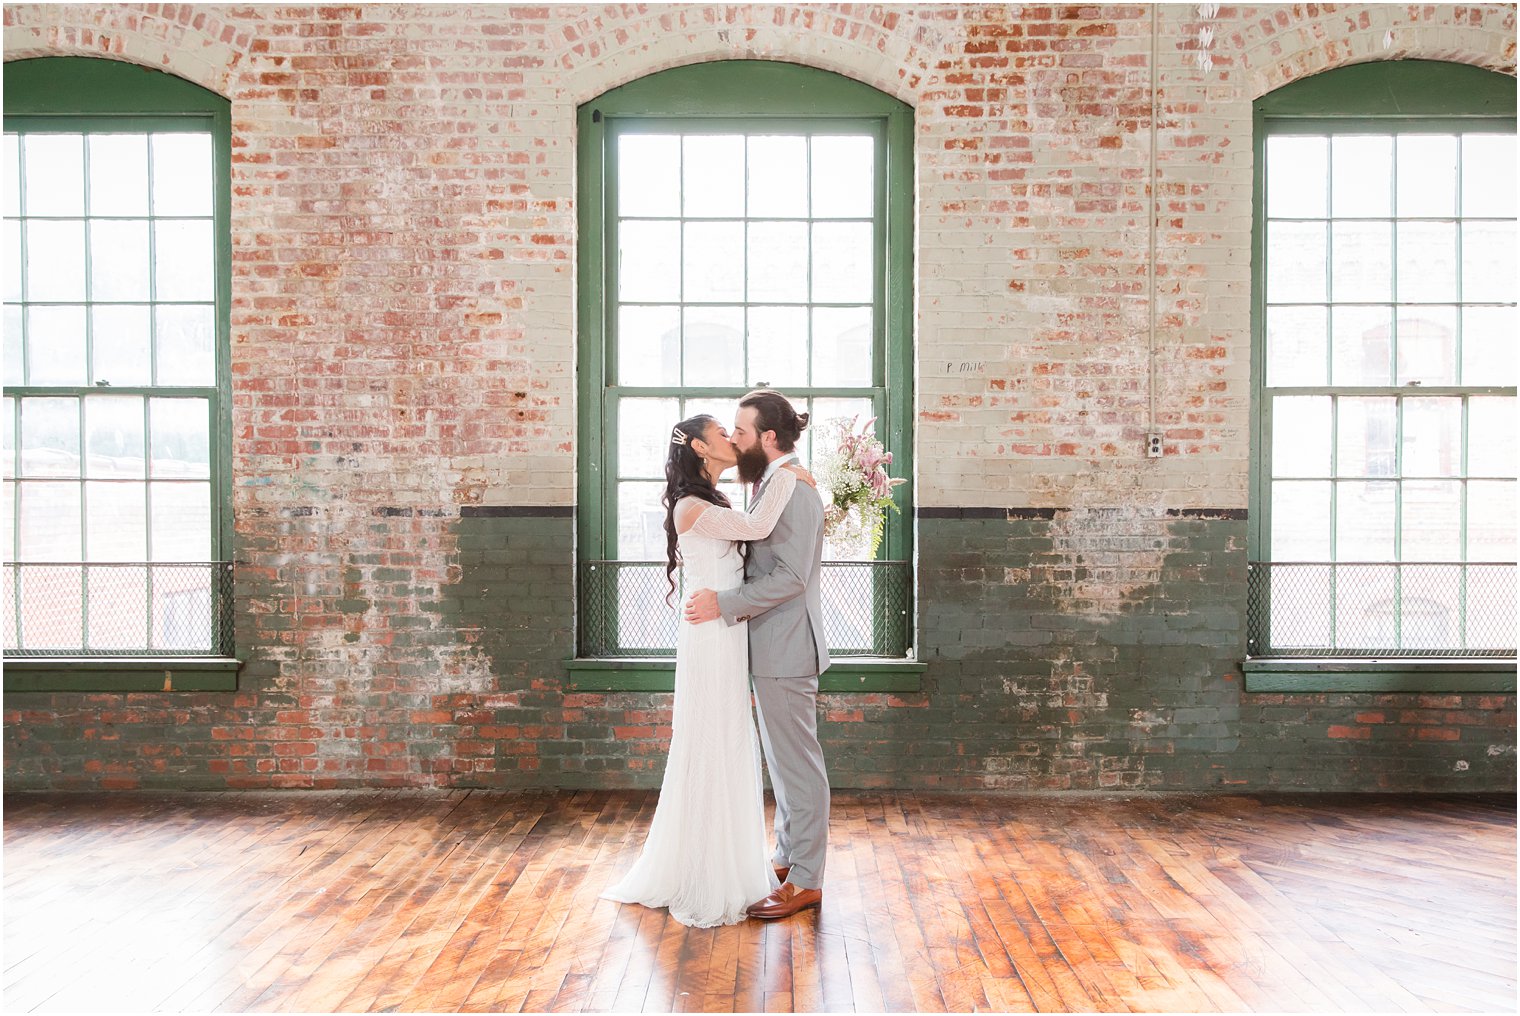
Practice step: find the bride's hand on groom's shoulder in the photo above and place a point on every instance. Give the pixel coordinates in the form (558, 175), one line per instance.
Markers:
(803, 475)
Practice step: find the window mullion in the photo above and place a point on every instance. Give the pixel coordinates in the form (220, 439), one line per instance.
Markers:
(152, 275)
(21, 228)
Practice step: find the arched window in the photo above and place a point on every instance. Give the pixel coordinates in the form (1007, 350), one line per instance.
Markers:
(117, 471)
(1383, 487)
(742, 224)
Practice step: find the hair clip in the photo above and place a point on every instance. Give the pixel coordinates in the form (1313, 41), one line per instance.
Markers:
(678, 436)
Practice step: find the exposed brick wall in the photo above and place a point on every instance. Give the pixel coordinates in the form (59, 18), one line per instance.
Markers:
(403, 351)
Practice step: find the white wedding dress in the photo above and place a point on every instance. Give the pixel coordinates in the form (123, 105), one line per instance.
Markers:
(707, 856)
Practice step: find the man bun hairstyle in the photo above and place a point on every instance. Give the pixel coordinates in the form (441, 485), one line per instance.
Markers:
(774, 412)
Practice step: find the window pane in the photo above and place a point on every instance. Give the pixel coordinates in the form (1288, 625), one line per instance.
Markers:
(842, 169)
(1432, 437)
(712, 175)
(1363, 345)
(179, 440)
(8, 469)
(1308, 625)
(644, 429)
(119, 345)
(114, 445)
(1295, 346)
(181, 521)
(1297, 169)
(12, 173)
(842, 345)
(713, 343)
(778, 344)
(55, 345)
(55, 260)
(1432, 520)
(1490, 618)
(1427, 172)
(1489, 337)
(1431, 607)
(1488, 175)
(1301, 520)
(1367, 429)
(1301, 435)
(1362, 261)
(119, 260)
(12, 261)
(1364, 516)
(49, 437)
(1295, 262)
(54, 599)
(8, 522)
(778, 261)
(1427, 345)
(1491, 521)
(182, 174)
(1363, 176)
(116, 522)
(119, 174)
(778, 180)
(842, 262)
(185, 353)
(649, 345)
(1366, 608)
(649, 178)
(118, 606)
(184, 257)
(54, 174)
(649, 261)
(1427, 262)
(722, 410)
(49, 520)
(732, 489)
(1488, 262)
(1491, 437)
(713, 262)
(641, 522)
(14, 363)
(823, 411)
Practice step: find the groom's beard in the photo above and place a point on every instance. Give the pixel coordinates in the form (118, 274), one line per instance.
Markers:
(752, 464)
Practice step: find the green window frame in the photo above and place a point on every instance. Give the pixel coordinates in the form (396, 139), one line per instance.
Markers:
(755, 99)
(162, 622)
(1341, 412)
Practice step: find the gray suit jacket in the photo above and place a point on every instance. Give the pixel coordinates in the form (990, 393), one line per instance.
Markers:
(780, 596)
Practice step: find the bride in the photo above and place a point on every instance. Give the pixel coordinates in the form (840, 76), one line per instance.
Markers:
(706, 856)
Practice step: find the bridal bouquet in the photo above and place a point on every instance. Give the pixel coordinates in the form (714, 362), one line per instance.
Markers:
(852, 467)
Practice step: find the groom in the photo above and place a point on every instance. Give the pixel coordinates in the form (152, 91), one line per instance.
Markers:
(780, 600)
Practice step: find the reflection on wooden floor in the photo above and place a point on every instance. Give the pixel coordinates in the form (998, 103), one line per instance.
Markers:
(477, 901)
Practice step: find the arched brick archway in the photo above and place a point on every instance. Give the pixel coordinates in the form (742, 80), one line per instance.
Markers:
(1277, 45)
(182, 39)
(891, 50)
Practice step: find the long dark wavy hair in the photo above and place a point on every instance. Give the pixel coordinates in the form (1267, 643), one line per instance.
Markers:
(685, 477)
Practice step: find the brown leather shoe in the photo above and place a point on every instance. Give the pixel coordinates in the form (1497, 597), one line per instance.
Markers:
(785, 902)
(782, 871)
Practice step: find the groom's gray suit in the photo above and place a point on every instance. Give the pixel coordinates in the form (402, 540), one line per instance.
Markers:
(780, 599)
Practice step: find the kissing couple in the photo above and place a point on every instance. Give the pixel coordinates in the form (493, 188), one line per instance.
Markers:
(756, 612)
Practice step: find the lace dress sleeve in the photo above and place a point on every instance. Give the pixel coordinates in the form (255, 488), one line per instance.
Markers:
(733, 524)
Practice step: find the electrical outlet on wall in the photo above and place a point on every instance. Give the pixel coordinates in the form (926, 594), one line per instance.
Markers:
(1153, 445)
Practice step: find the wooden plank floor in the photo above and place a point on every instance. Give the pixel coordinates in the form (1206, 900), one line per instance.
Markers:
(478, 902)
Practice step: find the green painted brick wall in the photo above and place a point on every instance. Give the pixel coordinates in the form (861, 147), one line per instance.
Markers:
(1083, 650)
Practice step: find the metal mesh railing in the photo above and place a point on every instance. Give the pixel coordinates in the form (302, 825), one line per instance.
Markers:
(1383, 609)
(133, 609)
(866, 608)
